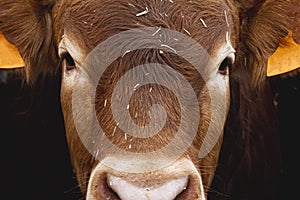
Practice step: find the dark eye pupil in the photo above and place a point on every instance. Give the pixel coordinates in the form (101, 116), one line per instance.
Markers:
(69, 60)
(224, 66)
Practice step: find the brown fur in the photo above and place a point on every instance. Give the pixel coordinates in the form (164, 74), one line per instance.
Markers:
(250, 140)
(114, 23)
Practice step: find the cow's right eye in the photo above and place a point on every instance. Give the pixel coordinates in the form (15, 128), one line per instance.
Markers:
(70, 63)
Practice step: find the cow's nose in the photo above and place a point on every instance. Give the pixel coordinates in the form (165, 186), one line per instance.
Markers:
(179, 181)
(157, 191)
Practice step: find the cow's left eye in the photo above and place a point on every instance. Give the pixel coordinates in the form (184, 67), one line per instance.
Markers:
(226, 65)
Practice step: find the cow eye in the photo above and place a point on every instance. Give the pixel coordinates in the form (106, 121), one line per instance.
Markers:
(226, 65)
(70, 63)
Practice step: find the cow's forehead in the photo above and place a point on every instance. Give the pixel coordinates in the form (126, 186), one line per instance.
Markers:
(92, 22)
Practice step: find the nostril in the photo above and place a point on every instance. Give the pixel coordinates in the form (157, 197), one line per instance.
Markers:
(127, 190)
(104, 190)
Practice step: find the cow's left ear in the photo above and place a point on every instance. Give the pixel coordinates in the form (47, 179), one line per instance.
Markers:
(295, 18)
(263, 25)
(286, 58)
(28, 25)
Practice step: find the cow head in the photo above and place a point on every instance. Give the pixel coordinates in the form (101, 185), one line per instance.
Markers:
(145, 88)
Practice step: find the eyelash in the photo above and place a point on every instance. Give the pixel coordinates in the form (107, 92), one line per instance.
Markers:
(70, 63)
(225, 66)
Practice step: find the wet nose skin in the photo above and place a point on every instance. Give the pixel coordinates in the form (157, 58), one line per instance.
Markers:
(164, 191)
(178, 181)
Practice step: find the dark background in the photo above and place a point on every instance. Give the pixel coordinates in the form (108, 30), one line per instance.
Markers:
(34, 154)
(36, 164)
(286, 89)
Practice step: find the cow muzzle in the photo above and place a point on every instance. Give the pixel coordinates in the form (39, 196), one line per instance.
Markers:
(178, 181)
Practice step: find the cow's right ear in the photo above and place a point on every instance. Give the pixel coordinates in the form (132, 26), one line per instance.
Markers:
(28, 25)
(9, 55)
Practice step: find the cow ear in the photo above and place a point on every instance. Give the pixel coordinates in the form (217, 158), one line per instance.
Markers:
(263, 25)
(286, 58)
(295, 17)
(28, 25)
(9, 55)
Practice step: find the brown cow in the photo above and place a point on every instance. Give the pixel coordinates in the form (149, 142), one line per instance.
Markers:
(147, 86)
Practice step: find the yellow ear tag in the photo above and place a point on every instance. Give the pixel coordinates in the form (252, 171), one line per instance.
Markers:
(285, 58)
(9, 55)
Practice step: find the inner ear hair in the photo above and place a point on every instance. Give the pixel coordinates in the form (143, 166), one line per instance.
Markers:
(261, 31)
(28, 25)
